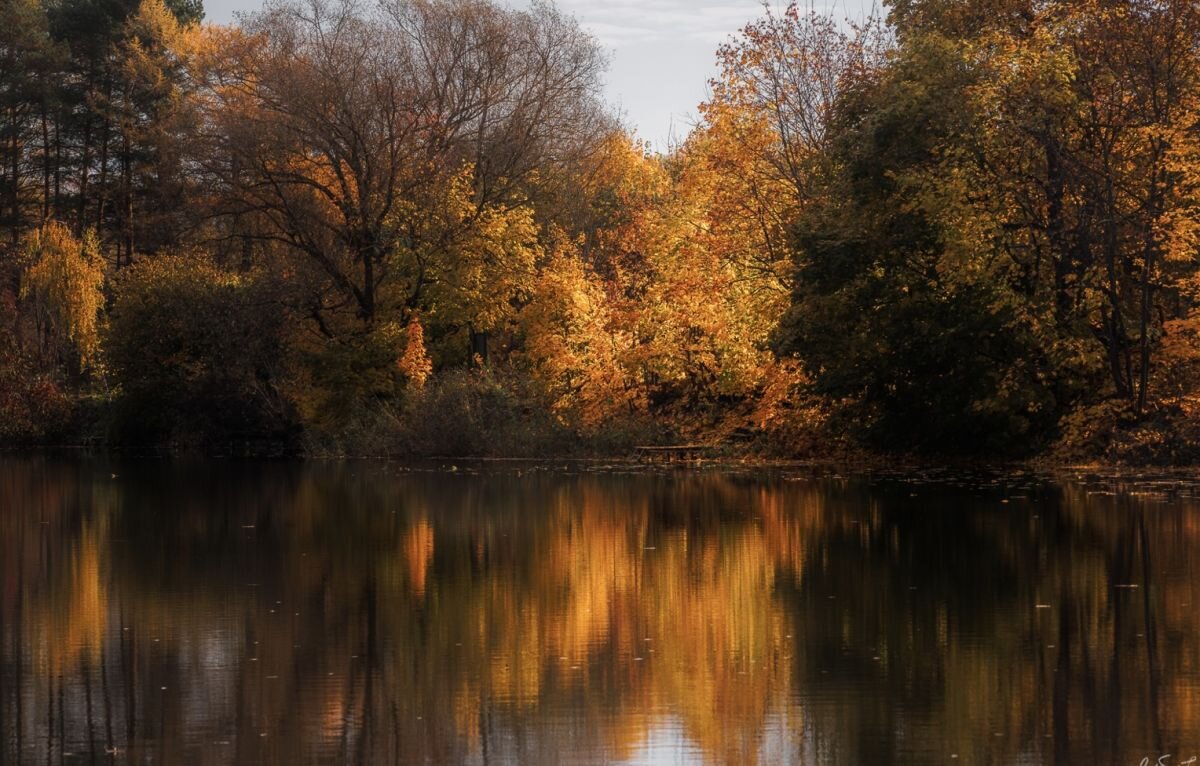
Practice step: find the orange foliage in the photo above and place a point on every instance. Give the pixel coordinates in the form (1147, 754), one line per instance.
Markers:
(415, 364)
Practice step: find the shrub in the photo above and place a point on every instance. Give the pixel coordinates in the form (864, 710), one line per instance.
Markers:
(457, 413)
(480, 413)
(195, 351)
(337, 382)
(33, 408)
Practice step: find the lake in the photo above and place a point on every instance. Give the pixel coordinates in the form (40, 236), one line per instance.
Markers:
(220, 612)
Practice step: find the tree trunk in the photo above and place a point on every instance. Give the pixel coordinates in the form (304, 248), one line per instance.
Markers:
(15, 189)
(45, 165)
(1115, 329)
(85, 163)
(105, 139)
(127, 186)
(1147, 306)
(479, 348)
(58, 167)
(1150, 263)
(367, 302)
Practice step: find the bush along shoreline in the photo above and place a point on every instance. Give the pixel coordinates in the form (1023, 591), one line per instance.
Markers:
(474, 414)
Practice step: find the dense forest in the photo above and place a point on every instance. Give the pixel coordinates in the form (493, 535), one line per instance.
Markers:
(414, 228)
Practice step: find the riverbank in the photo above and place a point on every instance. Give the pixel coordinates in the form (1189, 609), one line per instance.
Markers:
(845, 462)
(480, 417)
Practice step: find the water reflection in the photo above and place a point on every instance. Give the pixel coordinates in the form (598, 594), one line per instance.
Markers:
(215, 613)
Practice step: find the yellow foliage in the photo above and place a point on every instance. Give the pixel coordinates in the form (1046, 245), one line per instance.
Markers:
(573, 345)
(64, 281)
(678, 301)
(488, 262)
(153, 25)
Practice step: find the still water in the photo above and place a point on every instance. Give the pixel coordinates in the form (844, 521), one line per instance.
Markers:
(216, 613)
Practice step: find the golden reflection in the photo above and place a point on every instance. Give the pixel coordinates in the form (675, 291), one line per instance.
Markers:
(67, 628)
(588, 618)
(418, 554)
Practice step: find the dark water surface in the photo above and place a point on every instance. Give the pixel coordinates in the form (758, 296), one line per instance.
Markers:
(214, 613)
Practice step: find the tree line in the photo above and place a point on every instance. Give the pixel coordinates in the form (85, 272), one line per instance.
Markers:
(415, 227)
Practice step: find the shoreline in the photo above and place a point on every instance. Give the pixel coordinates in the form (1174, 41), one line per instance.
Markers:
(860, 464)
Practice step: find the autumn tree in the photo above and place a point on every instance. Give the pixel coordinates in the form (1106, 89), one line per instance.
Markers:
(373, 145)
(896, 315)
(698, 256)
(62, 286)
(145, 207)
(641, 314)
(574, 347)
(765, 137)
(1035, 163)
(1089, 145)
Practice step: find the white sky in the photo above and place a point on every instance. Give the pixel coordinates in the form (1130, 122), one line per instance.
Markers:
(661, 52)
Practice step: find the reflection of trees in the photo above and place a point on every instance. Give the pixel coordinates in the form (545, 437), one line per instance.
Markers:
(362, 614)
(946, 596)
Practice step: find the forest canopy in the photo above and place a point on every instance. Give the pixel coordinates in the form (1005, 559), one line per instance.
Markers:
(414, 228)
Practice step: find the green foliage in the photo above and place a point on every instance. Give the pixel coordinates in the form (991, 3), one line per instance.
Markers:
(187, 12)
(195, 351)
(917, 343)
(334, 379)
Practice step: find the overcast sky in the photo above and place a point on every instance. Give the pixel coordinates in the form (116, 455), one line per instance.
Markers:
(661, 52)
